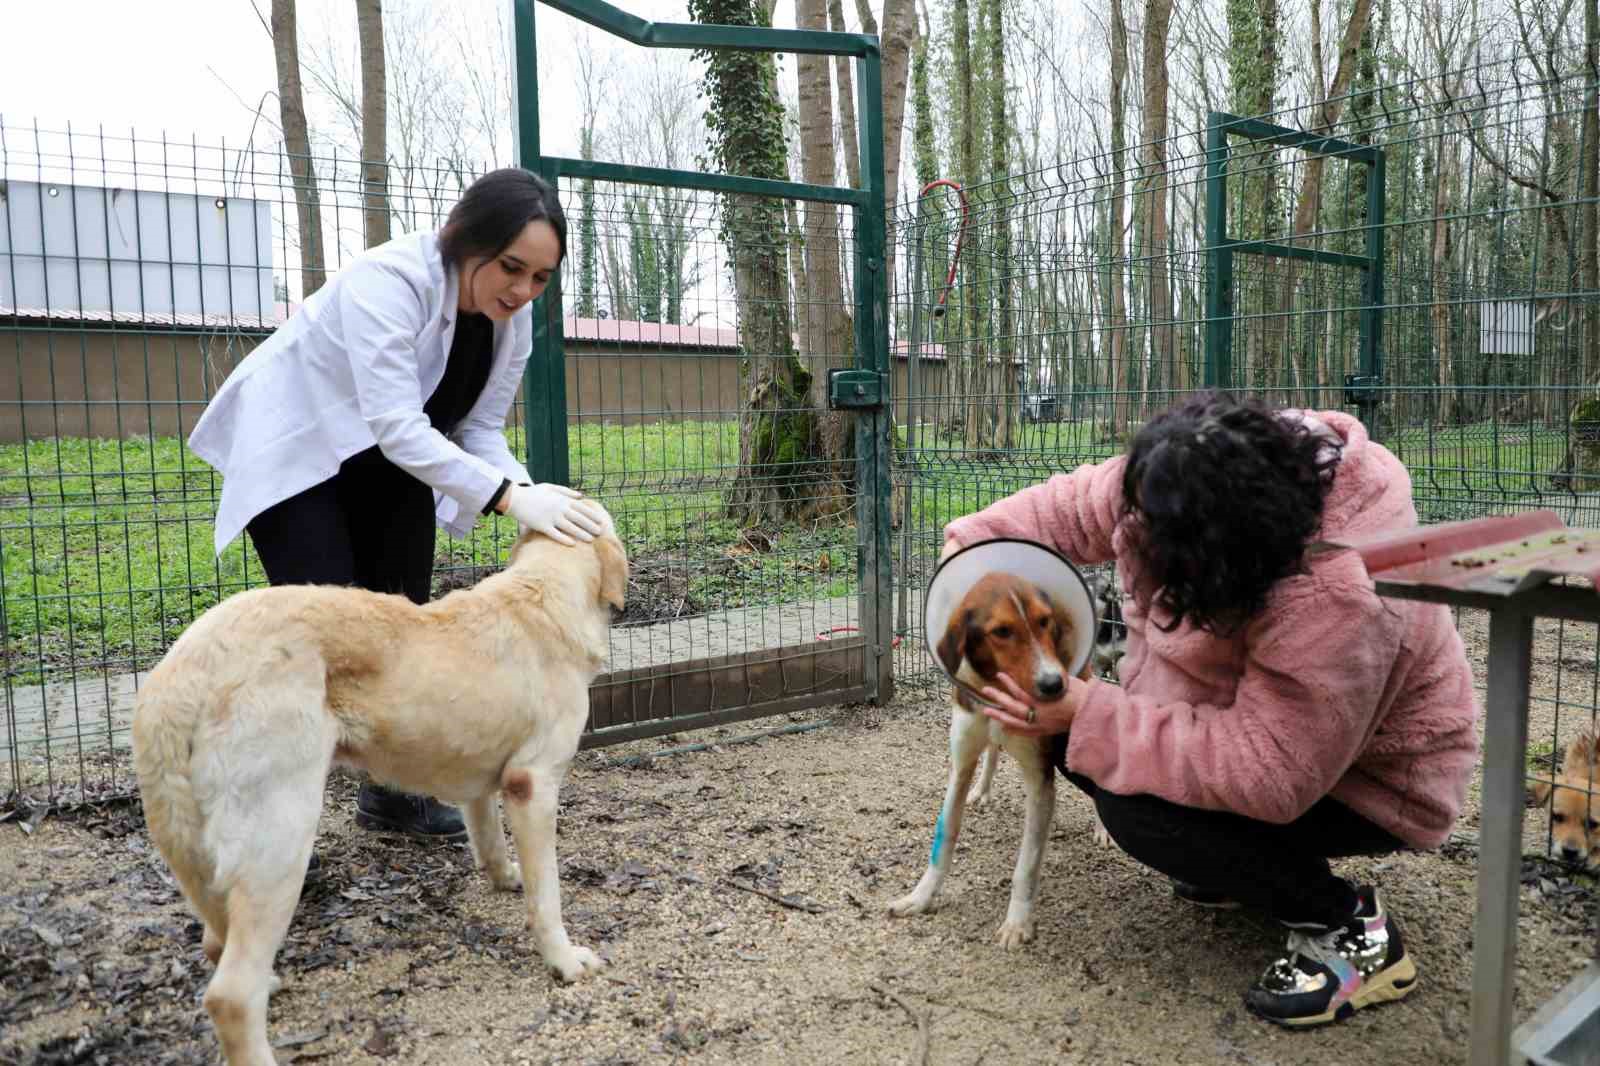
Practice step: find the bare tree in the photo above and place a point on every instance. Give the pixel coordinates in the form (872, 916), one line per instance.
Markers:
(824, 323)
(1157, 23)
(374, 122)
(847, 103)
(297, 145)
(1116, 340)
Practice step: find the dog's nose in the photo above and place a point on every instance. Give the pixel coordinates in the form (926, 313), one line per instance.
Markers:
(1049, 685)
(1570, 854)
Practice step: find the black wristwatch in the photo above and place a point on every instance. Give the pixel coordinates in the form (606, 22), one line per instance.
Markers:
(499, 494)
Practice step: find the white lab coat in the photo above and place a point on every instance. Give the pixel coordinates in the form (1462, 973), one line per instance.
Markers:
(352, 368)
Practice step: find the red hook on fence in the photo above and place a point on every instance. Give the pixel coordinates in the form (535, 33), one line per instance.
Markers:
(961, 235)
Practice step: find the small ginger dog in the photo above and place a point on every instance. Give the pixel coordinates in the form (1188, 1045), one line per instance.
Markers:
(483, 692)
(1004, 625)
(1574, 799)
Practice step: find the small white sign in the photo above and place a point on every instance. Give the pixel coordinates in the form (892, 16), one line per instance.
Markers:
(1505, 327)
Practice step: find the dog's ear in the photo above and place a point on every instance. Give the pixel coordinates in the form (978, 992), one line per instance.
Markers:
(1583, 756)
(1539, 793)
(1066, 635)
(613, 570)
(953, 645)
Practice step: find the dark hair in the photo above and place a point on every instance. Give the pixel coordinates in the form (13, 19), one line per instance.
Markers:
(494, 210)
(1224, 495)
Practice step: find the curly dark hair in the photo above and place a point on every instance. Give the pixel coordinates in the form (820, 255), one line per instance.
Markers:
(1223, 496)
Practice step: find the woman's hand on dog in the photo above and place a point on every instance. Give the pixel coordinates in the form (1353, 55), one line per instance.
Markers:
(1011, 706)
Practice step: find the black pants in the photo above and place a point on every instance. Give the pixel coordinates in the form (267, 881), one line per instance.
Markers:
(1280, 869)
(370, 525)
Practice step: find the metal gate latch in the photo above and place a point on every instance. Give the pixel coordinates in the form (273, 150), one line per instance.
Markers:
(851, 389)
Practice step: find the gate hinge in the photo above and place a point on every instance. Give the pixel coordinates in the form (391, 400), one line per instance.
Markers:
(856, 390)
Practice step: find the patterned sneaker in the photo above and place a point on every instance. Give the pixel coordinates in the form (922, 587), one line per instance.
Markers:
(1329, 974)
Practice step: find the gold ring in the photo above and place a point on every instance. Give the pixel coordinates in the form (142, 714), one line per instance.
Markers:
(1033, 716)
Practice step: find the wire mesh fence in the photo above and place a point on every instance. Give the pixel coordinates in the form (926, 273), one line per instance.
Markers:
(1082, 303)
(704, 430)
(135, 274)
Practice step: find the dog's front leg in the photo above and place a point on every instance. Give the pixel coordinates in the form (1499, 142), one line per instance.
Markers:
(530, 797)
(969, 736)
(489, 844)
(1039, 778)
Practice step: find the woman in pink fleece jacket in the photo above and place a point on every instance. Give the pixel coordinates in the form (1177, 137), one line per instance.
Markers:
(1274, 711)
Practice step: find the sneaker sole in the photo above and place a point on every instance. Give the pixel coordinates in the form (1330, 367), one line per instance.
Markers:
(384, 825)
(1211, 905)
(1395, 983)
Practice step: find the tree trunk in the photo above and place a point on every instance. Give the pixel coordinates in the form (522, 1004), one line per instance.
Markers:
(1157, 23)
(374, 122)
(895, 43)
(297, 144)
(1443, 199)
(778, 478)
(587, 301)
(1117, 317)
(1253, 67)
(1004, 381)
(973, 352)
(1589, 196)
(1328, 113)
(847, 98)
(826, 332)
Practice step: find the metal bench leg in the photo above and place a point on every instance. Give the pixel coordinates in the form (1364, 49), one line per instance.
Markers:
(1494, 931)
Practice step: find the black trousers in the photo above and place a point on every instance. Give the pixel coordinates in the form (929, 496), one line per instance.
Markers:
(370, 525)
(1280, 869)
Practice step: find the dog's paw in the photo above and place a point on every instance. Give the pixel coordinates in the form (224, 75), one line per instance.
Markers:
(914, 903)
(1013, 935)
(978, 797)
(575, 962)
(506, 878)
(1101, 835)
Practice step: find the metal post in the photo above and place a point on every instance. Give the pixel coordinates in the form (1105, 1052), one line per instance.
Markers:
(1371, 325)
(913, 359)
(874, 480)
(1494, 930)
(544, 393)
(1219, 259)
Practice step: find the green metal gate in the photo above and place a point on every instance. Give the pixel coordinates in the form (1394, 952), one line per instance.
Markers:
(771, 654)
(1361, 390)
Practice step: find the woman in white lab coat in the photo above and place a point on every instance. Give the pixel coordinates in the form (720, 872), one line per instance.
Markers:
(378, 410)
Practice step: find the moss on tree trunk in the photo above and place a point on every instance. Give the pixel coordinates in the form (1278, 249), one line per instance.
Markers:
(1585, 422)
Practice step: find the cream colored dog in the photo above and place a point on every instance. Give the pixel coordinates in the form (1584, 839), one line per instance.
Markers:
(481, 692)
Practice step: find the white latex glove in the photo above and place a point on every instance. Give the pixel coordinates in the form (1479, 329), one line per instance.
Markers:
(559, 512)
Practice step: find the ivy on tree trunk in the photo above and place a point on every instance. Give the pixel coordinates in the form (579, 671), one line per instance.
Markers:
(778, 477)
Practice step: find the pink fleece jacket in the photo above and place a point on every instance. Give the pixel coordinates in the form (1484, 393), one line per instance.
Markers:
(1331, 690)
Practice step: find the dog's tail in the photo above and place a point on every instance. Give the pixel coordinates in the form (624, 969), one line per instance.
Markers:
(163, 746)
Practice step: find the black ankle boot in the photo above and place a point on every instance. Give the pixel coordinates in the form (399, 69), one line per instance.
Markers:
(385, 809)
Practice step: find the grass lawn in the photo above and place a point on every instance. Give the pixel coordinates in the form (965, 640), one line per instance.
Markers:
(105, 545)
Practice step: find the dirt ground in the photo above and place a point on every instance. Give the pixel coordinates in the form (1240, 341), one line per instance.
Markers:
(400, 953)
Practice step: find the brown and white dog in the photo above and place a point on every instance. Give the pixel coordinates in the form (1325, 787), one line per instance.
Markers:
(1110, 643)
(1574, 799)
(1004, 624)
(479, 694)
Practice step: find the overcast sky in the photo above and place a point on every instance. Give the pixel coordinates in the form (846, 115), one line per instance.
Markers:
(202, 67)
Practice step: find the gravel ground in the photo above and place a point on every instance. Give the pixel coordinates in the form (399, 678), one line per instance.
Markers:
(738, 894)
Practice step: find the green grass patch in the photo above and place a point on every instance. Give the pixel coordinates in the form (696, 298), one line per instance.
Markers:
(106, 554)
